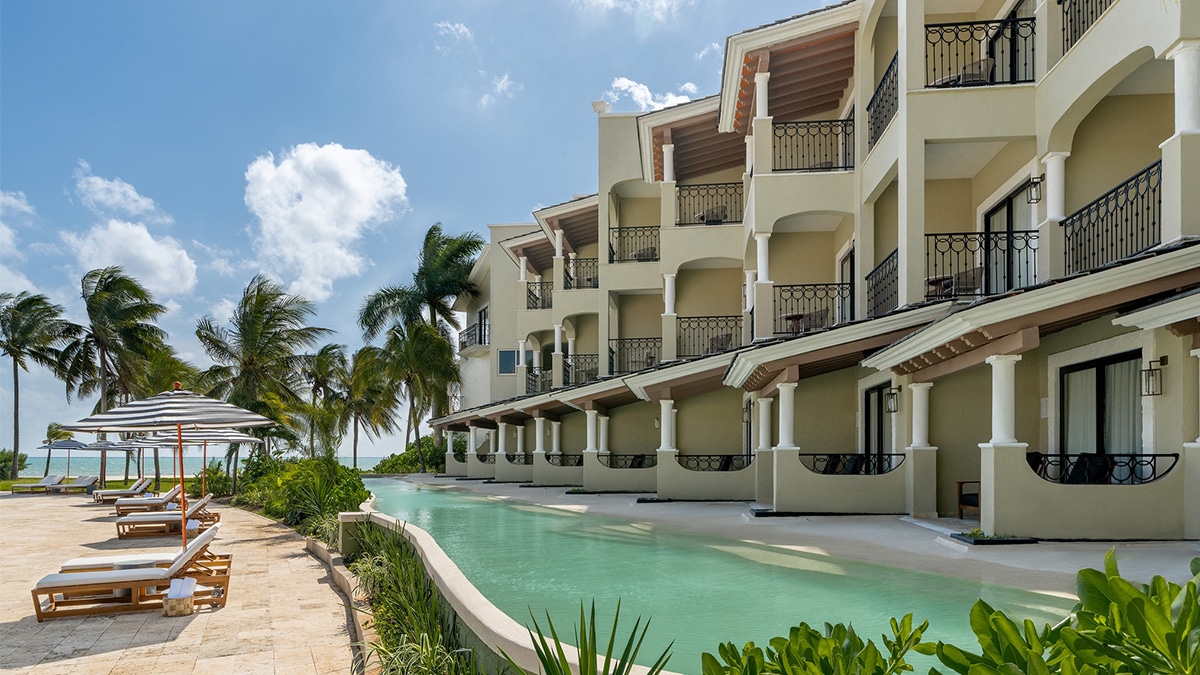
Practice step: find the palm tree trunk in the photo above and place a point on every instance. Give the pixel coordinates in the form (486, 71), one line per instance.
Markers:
(233, 482)
(103, 408)
(15, 469)
(312, 427)
(47, 471)
(127, 466)
(157, 472)
(355, 450)
(420, 451)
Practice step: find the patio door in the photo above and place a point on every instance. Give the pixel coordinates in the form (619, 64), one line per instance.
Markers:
(845, 308)
(1101, 407)
(1009, 257)
(877, 423)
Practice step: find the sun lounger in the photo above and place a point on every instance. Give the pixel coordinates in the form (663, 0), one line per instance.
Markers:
(81, 484)
(130, 590)
(108, 562)
(39, 486)
(160, 523)
(136, 504)
(109, 496)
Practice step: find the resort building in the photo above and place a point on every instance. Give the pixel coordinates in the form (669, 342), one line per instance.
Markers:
(916, 257)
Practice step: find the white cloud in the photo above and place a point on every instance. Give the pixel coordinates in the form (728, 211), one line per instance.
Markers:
(452, 34)
(222, 310)
(161, 264)
(13, 281)
(15, 202)
(12, 203)
(710, 48)
(105, 197)
(502, 87)
(645, 99)
(313, 207)
(658, 10)
(688, 88)
(223, 261)
(8, 242)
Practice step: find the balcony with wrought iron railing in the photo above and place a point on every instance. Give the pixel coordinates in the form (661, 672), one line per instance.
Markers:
(1078, 16)
(538, 379)
(580, 368)
(883, 286)
(851, 463)
(1102, 469)
(474, 335)
(581, 273)
(803, 308)
(1119, 224)
(629, 355)
(701, 335)
(976, 264)
(884, 103)
(979, 53)
(822, 145)
(633, 244)
(709, 204)
(539, 295)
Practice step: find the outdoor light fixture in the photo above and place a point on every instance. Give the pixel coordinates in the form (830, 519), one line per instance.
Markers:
(891, 400)
(1033, 194)
(1152, 377)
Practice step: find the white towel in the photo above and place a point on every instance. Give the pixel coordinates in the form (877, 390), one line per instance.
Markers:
(182, 588)
(193, 524)
(171, 506)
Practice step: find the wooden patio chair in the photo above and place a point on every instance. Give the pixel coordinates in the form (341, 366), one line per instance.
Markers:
(968, 501)
(81, 484)
(40, 486)
(161, 523)
(138, 504)
(110, 496)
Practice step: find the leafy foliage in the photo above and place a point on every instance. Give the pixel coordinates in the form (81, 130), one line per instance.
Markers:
(216, 481)
(554, 660)
(409, 461)
(6, 459)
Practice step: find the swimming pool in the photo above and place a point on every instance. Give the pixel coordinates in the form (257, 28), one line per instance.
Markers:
(700, 591)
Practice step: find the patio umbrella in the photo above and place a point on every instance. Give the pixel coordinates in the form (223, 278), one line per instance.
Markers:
(203, 436)
(104, 447)
(68, 445)
(174, 410)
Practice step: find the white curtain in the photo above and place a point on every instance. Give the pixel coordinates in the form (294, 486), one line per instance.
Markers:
(1079, 408)
(1123, 412)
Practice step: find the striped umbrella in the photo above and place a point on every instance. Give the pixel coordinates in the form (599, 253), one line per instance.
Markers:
(203, 436)
(68, 444)
(173, 410)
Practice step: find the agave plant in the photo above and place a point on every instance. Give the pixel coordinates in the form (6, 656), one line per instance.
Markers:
(554, 658)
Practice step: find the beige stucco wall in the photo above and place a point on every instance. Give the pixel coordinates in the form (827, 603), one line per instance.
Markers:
(960, 418)
(948, 206)
(710, 424)
(676, 482)
(545, 473)
(1118, 138)
(639, 212)
(507, 472)
(587, 328)
(631, 428)
(600, 478)
(478, 469)
(708, 292)
(799, 490)
(883, 44)
(574, 433)
(826, 410)
(887, 223)
(640, 315)
(802, 257)
(731, 175)
(455, 467)
(1015, 155)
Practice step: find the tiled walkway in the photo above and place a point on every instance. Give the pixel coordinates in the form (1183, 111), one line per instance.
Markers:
(282, 615)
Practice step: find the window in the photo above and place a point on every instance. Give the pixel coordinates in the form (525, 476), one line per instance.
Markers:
(508, 360)
(1009, 252)
(877, 424)
(845, 311)
(1101, 406)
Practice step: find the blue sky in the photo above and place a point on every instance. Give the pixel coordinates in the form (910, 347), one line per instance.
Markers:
(200, 143)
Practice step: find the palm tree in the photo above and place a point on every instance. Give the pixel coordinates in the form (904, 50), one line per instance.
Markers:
(420, 359)
(258, 359)
(163, 368)
(370, 397)
(31, 329)
(113, 346)
(55, 432)
(323, 370)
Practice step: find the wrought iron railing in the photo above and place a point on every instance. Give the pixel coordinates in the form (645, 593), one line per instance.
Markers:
(700, 335)
(633, 244)
(565, 460)
(976, 264)
(884, 103)
(803, 308)
(714, 462)
(823, 145)
(487, 458)
(1121, 223)
(979, 53)
(1078, 16)
(475, 334)
(643, 461)
(883, 286)
(629, 355)
(709, 204)
(539, 294)
(1097, 469)
(580, 368)
(538, 379)
(581, 273)
(460, 456)
(521, 459)
(851, 463)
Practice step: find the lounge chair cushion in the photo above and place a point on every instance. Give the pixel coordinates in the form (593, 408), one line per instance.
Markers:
(103, 577)
(95, 562)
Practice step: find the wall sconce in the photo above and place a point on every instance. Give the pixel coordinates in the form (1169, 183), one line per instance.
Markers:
(1152, 377)
(891, 400)
(656, 422)
(1033, 193)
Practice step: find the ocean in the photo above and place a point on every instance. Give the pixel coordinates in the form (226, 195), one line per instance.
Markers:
(87, 463)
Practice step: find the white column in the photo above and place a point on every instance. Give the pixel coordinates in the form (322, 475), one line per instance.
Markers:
(666, 424)
(591, 430)
(751, 277)
(537, 358)
(558, 243)
(787, 416)
(558, 338)
(1004, 397)
(669, 293)
(920, 413)
(570, 346)
(749, 153)
(539, 431)
(1196, 353)
(764, 257)
(1187, 85)
(764, 424)
(520, 428)
(521, 353)
(556, 437)
(524, 269)
(491, 434)
(502, 439)
(668, 162)
(472, 442)
(604, 434)
(1056, 184)
(760, 94)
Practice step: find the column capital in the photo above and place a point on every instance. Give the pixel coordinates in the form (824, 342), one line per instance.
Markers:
(760, 236)
(669, 275)
(1056, 154)
(1184, 45)
(920, 385)
(762, 76)
(1002, 358)
(788, 385)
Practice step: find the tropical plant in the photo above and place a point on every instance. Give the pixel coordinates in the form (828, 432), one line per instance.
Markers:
(7, 460)
(31, 329)
(420, 656)
(216, 481)
(370, 397)
(324, 371)
(421, 361)
(54, 432)
(554, 661)
(410, 460)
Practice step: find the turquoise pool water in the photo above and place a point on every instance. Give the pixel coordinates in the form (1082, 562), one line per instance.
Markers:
(700, 591)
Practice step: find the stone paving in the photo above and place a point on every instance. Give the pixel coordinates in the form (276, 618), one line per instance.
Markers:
(282, 615)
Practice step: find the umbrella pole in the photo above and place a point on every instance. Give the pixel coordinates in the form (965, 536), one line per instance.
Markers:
(204, 471)
(182, 492)
(103, 462)
(68, 461)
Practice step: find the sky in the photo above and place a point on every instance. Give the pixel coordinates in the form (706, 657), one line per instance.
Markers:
(197, 144)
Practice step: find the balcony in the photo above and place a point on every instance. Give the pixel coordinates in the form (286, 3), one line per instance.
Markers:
(474, 335)
(803, 308)
(537, 380)
(1102, 469)
(702, 335)
(709, 204)
(977, 264)
(883, 286)
(539, 294)
(1119, 224)
(824, 145)
(629, 355)
(1078, 16)
(884, 103)
(580, 368)
(633, 244)
(979, 53)
(581, 273)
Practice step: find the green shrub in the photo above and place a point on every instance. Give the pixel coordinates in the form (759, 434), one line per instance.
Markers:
(409, 461)
(216, 481)
(553, 658)
(23, 459)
